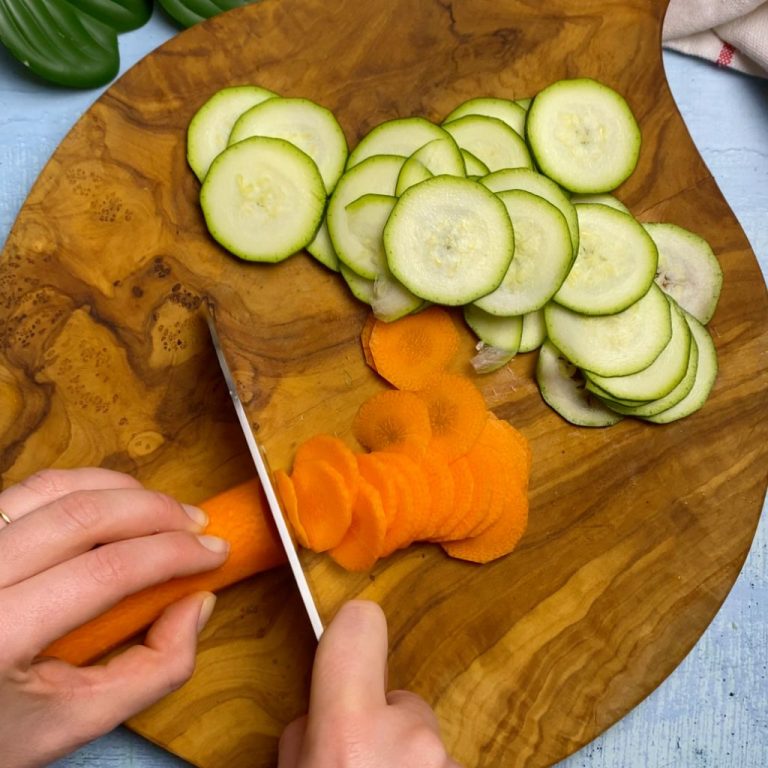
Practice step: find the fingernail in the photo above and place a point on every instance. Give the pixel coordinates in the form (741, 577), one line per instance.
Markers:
(214, 543)
(206, 609)
(196, 515)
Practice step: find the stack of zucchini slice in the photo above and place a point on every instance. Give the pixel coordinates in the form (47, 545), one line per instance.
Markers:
(504, 210)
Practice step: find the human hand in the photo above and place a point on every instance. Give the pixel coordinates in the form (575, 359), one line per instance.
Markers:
(54, 576)
(353, 721)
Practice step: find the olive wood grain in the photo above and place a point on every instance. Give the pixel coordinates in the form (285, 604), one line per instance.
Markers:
(636, 532)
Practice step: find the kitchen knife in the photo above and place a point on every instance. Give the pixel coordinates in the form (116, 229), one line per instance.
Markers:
(259, 459)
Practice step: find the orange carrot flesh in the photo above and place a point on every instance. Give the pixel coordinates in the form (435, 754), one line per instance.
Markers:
(241, 516)
(463, 492)
(362, 543)
(290, 505)
(365, 340)
(335, 452)
(397, 533)
(410, 351)
(324, 503)
(457, 414)
(393, 420)
(500, 538)
(376, 473)
(441, 484)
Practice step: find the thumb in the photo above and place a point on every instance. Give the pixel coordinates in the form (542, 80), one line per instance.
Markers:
(350, 670)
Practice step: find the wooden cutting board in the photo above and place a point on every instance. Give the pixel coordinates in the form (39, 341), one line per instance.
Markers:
(636, 532)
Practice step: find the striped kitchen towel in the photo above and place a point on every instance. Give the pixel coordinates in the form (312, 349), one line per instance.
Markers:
(730, 33)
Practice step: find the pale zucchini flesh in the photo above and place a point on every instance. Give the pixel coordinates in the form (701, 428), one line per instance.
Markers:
(583, 135)
(538, 184)
(449, 240)
(441, 156)
(375, 175)
(400, 136)
(688, 269)
(263, 199)
(209, 129)
(321, 248)
(613, 345)
(534, 331)
(412, 172)
(661, 376)
(615, 264)
(305, 124)
(562, 387)
(366, 218)
(509, 112)
(492, 141)
(501, 332)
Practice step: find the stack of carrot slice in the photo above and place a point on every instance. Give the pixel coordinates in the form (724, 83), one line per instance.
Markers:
(436, 466)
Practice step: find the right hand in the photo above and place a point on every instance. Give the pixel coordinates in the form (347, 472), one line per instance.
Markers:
(353, 721)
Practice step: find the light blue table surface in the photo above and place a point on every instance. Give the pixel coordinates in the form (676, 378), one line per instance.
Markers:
(712, 712)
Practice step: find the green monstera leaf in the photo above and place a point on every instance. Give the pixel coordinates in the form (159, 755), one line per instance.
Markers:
(189, 12)
(70, 43)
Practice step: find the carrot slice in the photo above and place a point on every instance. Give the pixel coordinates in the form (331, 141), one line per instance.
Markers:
(393, 420)
(362, 543)
(501, 537)
(365, 340)
(290, 506)
(413, 503)
(463, 492)
(241, 516)
(335, 452)
(441, 484)
(324, 503)
(410, 351)
(457, 414)
(377, 474)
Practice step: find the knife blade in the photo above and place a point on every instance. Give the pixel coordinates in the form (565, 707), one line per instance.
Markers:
(262, 469)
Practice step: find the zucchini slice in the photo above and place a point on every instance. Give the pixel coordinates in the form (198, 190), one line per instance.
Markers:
(401, 136)
(209, 129)
(441, 156)
(583, 135)
(543, 256)
(307, 125)
(562, 387)
(492, 141)
(412, 172)
(661, 376)
(449, 240)
(505, 110)
(534, 331)
(613, 345)
(537, 184)
(615, 265)
(321, 248)
(688, 269)
(263, 199)
(494, 331)
(706, 373)
(375, 175)
(366, 218)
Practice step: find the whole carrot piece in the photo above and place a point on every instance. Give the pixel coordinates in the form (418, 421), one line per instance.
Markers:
(240, 515)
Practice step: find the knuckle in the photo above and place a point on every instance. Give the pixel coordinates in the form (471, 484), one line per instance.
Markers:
(49, 482)
(426, 743)
(107, 566)
(80, 511)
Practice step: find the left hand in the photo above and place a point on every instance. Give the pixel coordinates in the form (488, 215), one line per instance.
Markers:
(79, 542)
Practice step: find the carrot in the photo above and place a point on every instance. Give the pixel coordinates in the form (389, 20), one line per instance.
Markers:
(463, 492)
(393, 420)
(441, 483)
(457, 414)
(324, 503)
(413, 501)
(501, 537)
(240, 515)
(290, 505)
(333, 450)
(365, 340)
(362, 543)
(410, 351)
(376, 473)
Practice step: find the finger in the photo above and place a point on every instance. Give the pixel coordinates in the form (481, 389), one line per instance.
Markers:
(413, 705)
(349, 673)
(94, 700)
(292, 743)
(74, 523)
(50, 604)
(44, 487)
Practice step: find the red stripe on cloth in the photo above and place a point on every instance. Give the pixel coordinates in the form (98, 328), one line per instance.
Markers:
(726, 55)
